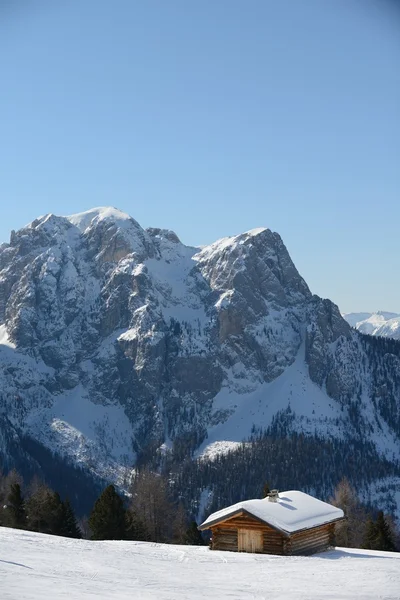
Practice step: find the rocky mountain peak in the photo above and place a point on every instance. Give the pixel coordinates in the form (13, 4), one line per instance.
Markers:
(118, 342)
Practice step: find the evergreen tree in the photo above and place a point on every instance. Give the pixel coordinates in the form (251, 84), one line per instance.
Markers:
(383, 539)
(16, 507)
(42, 510)
(108, 519)
(6, 483)
(370, 535)
(193, 535)
(69, 526)
(55, 515)
(135, 527)
(394, 530)
(45, 511)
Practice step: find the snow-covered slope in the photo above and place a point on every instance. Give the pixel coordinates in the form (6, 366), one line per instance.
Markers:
(34, 566)
(117, 341)
(381, 323)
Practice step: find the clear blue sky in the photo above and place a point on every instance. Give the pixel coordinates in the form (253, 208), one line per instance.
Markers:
(211, 117)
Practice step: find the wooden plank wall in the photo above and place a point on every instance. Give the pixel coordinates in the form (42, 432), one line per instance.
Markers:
(225, 537)
(310, 541)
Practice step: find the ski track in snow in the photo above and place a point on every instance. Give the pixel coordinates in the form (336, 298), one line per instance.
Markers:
(36, 566)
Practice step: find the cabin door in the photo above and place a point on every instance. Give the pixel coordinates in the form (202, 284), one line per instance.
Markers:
(250, 540)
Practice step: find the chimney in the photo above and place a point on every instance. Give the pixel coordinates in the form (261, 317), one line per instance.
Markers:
(273, 496)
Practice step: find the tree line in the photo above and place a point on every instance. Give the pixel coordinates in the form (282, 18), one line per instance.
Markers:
(39, 509)
(148, 513)
(296, 461)
(363, 527)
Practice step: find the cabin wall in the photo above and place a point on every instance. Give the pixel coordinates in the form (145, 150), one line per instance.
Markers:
(311, 540)
(225, 535)
(224, 538)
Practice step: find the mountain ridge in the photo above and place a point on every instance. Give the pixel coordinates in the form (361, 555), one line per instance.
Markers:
(380, 323)
(120, 344)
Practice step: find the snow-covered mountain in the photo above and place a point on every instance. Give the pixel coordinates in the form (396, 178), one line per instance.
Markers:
(119, 343)
(381, 323)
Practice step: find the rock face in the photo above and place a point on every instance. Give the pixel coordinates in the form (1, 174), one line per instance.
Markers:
(117, 342)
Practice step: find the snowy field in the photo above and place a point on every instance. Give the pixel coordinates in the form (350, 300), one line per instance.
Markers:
(35, 566)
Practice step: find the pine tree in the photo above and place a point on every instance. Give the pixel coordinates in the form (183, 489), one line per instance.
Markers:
(394, 531)
(6, 482)
(108, 519)
(193, 535)
(42, 510)
(55, 514)
(16, 507)
(370, 535)
(135, 527)
(69, 526)
(383, 539)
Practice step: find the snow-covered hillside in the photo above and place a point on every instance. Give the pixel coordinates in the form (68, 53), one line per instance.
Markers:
(381, 323)
(118, 342)
(35, 566)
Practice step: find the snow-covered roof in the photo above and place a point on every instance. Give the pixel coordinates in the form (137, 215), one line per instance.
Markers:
(293, 511)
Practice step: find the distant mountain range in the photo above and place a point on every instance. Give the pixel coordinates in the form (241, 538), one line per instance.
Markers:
(120, 345)
(381, 323)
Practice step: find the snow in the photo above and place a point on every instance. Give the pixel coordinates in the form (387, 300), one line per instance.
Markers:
(166, 283)
(175, 282)
(217, 250)
(83, 220)
(293, 511)
(381, 323)
(293, 388)
(244, 401)
(255, 231)
(34, 566)
(217, 448)
(172, 272)
(96, 434)
(205, 500)
(4, 338)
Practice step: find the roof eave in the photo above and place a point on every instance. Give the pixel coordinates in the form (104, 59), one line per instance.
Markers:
(329, 522)
(203, 527)
(238, 512)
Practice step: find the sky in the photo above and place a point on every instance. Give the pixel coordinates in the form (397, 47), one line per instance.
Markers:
(211, 118)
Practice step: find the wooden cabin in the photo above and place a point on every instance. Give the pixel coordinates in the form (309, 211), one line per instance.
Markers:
(286, 523)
